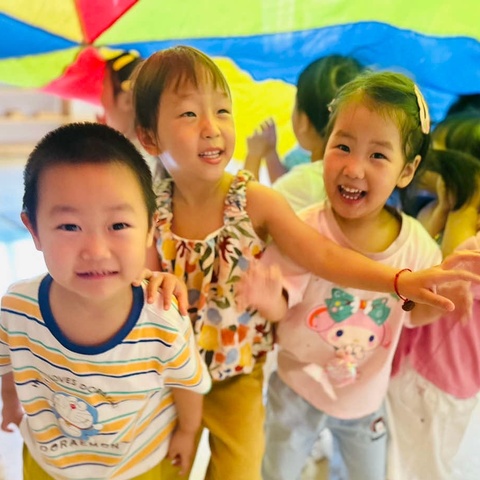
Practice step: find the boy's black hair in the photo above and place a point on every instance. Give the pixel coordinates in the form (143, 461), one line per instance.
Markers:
(83, 143)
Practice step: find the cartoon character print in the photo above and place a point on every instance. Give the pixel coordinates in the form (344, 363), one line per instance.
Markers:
(353, 327)
(77, 419)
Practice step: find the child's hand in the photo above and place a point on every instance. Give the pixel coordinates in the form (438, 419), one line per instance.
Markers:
(260, 288)
(181, 450)
(169, 285)
(12, 413)
(262, 140)
(421, 286)
(460, 293)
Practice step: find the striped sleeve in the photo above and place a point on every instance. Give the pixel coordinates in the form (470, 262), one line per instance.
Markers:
(186, 369)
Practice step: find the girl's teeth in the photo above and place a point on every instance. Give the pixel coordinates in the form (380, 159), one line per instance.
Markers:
(351, 193)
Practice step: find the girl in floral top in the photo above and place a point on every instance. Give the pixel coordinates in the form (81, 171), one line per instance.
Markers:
(211, 224)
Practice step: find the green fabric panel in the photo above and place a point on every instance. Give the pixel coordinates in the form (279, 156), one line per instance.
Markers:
(36, 71)
(161, 20)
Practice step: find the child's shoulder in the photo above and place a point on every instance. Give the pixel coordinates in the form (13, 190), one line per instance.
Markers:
(413, 228)
(26, 286)
(22, 295)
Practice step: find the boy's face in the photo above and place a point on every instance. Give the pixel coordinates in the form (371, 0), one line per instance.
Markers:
(363, 162)
(92, 227)
(195, 132)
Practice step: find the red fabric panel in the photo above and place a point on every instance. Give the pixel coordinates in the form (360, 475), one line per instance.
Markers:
(82, 80)
(97, 15)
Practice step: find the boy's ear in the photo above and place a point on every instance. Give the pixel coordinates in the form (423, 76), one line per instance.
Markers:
(151, 233)
(408, 172)
(148, 141)
(33, 233)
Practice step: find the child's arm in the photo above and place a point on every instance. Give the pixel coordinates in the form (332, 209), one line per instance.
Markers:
(12, 411)
(182, 444)
(271, 215)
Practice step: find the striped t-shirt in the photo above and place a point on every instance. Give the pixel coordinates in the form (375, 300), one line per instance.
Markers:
(97, 412)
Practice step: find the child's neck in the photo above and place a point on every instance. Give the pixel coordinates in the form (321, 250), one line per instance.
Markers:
(198, 210)
(198, 193)
(89, 323)
(371, 235)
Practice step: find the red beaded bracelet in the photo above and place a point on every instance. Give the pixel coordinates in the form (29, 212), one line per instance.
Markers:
(407, 304)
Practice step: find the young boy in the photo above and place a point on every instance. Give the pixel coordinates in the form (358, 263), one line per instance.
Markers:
(101, 374)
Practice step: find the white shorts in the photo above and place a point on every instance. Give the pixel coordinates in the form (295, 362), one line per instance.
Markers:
(434, 435)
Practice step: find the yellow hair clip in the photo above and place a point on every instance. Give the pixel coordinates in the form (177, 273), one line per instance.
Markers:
(124, 60)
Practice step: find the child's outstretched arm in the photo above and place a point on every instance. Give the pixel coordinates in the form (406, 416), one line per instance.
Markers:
(271, 215)
(182, 444)
(12, 411)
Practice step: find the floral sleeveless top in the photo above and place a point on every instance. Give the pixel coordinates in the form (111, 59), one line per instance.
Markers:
(230, 341)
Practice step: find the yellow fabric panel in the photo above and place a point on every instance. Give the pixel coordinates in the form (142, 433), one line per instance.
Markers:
(255, 102)
(55, 16)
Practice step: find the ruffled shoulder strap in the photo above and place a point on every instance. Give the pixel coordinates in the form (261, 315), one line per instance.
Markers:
(164, 190)
(236, 200)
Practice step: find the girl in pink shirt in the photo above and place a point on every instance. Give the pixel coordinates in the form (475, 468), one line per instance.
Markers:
(435, 390)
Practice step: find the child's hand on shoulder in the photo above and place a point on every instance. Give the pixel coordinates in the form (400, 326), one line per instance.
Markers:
(166, 283)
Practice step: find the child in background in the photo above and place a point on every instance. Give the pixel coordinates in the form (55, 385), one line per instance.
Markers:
(117, 102)
(459, 132)
(116, 98)
(444, 182)
(212, 224)
(336, 344)
(434, 396)
(317, 85)
(101, 375)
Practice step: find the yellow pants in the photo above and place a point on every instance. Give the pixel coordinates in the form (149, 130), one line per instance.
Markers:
(234, 414)
(33, 471)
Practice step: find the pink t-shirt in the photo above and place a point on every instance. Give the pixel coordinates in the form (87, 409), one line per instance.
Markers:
(447, 353)
(336, 344)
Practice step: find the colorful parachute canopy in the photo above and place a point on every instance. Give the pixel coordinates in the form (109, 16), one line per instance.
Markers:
(59, 45)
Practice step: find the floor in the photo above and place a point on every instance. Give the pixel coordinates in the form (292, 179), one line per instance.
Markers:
(19, 259)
